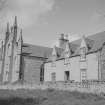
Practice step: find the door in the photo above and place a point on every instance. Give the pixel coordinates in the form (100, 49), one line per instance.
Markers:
(67, 76)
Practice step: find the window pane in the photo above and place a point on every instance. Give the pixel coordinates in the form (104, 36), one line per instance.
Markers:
(66, 61)
(83, 74)
(53, 76)
(53, 64)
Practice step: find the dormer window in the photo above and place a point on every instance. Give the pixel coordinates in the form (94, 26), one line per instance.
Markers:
(53, 64)
(67, 57)
(83, 48)
(66, 61)
(54, 56)
(83, 53)
(67, 54)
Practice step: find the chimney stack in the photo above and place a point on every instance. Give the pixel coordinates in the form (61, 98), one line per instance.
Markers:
(63, 40)
(66, 37)
(62, 36)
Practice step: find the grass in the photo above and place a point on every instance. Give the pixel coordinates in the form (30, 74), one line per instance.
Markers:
(48, 97)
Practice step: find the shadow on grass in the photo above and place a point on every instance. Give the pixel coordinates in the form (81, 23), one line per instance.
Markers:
(48, 97)
(22, 101)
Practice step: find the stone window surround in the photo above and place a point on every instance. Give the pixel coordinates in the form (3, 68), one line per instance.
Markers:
(83, 54)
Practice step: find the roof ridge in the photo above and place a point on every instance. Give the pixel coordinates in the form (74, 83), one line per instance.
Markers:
(36, 45)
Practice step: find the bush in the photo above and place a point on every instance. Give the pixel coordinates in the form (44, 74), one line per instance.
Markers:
(50, 90)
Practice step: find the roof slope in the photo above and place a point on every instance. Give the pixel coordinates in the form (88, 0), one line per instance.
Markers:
(94, 43)
(35, 50)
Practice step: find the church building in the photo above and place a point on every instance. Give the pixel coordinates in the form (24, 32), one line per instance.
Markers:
(21, 62)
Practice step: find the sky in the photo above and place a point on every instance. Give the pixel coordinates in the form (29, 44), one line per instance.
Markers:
(43, 21)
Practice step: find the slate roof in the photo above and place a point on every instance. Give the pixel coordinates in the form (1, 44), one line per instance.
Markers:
(58, 51)
(73, 48)
(94, 43)
(35, 50)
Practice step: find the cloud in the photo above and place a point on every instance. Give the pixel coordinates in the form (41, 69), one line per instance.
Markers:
(27, 11)
(98, 14)
(98, 17)
(74, 37)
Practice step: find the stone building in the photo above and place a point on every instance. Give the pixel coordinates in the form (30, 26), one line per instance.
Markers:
(21, 62)
(80, 60)
(11, 54)
(33, 57)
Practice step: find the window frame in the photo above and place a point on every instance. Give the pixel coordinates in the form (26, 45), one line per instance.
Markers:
(53, 76)
(53, 64)
(67, 61)
(83, 74)
(83, 53)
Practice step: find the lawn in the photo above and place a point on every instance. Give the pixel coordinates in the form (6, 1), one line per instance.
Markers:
(48, 97)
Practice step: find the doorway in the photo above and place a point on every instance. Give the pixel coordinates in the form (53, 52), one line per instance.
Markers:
(67, 76)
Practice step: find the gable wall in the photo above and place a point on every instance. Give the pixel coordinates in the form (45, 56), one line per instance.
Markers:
(31, 68)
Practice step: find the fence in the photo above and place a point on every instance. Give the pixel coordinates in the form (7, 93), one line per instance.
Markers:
(90, 87)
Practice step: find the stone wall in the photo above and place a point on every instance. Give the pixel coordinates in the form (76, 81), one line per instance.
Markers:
(92, 87)
(31, 67)
(95, 88)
